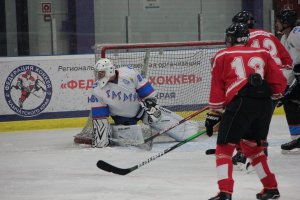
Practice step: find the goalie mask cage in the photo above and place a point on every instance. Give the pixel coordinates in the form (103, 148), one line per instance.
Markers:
(179, 71)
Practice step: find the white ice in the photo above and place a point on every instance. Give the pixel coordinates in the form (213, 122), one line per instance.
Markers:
(46, 165)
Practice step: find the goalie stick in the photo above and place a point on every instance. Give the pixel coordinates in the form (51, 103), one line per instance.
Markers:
(176, 124)
(116, 170)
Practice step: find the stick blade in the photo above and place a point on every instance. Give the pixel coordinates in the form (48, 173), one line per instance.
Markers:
(210, 151)
(110, 168)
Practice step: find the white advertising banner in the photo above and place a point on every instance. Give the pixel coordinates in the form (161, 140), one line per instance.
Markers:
(32, 86)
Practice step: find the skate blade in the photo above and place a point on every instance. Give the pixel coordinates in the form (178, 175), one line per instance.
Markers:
(290, 152)
(250, 170)
(239, 167)
(243, 168)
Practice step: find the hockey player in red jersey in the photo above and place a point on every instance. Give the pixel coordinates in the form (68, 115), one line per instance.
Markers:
(243, 81)
(263, 39)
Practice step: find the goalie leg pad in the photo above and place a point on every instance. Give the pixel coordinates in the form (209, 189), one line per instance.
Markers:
(102, 133)
(127, 135)
(180, 132)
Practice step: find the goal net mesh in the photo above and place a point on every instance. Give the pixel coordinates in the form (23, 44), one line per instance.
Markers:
(180, 72)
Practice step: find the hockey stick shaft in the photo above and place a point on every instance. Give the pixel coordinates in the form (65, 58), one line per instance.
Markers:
(110, 168)
(291, 87)
(176, 124)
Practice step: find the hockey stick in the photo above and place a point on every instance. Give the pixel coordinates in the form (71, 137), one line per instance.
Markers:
(210, 151)
(289, 90)
(176, 124)
(116, 170)
(286, 94)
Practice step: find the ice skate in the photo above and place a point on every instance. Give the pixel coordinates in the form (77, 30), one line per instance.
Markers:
(266, 194)
(221, 196)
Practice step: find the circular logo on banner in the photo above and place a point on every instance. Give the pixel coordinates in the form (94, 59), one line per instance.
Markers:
(28, 90)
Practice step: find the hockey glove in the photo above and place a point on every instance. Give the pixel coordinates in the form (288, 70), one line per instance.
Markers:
(212, 119)
(152, 112)
(145, 105)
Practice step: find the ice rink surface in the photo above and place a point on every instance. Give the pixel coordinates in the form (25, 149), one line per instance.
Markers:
(46, 165)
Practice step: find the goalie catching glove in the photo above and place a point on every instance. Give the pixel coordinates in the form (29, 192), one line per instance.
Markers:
(151, 112)
(212, 119)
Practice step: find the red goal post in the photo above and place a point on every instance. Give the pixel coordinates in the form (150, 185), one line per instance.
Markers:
(179, 71)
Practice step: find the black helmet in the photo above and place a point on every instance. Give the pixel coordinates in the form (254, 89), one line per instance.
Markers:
(237, 33)
(287, 18)
(244, 17)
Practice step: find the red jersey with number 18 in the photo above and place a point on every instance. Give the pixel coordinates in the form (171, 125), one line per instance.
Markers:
(231, 68)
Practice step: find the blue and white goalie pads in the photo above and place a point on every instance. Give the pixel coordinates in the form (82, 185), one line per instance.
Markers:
(102, 133)
(127, 135)
(180, 132)
(106, 134)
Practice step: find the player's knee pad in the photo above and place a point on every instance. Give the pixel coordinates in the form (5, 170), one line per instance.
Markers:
(225, 150)
(250, 149)
(123, 135)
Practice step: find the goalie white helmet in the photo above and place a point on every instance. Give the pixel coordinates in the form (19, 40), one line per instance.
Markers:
(104, 70)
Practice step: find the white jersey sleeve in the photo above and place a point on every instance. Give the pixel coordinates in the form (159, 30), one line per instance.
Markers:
(294, 45)
(288, 74)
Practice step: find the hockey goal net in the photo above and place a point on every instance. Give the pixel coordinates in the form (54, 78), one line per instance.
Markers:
(180, 72)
